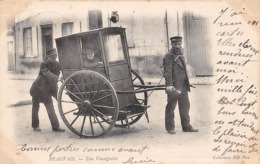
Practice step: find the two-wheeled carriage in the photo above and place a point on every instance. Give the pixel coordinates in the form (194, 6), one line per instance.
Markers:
(93, 100)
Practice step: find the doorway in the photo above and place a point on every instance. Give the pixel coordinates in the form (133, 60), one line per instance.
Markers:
(197, 43)
(47, 39)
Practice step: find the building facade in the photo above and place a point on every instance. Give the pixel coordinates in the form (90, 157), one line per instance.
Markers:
(147, 33)
(36, 35)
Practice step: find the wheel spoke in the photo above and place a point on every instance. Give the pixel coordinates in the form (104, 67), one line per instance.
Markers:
(101, 113)
(98, 120)
(82, 84)
(92, 129)
(83, 81)
(83, 123)
(134, 78)
(98, 91)
(101, 98)
(73, 102)
(70, 111)
(141, 101)
(91, 88)
(77, 87)
(73, 94)
(77, 117)
(101, 106)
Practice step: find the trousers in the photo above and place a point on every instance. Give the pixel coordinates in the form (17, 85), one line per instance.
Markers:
(50, 110)
(184, 108)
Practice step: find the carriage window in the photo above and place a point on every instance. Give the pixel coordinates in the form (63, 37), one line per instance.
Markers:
(113, 48)
(91, 41)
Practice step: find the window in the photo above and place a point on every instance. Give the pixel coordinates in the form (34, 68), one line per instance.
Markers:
(27, 42)
(67, 28)
(10, 48)
(95, 19)
(113, 48)
(47, 38)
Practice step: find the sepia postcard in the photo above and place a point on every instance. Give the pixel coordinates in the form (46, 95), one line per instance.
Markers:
(129, 82)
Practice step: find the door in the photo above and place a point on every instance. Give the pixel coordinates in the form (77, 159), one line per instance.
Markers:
(118, 67)
(47, 39)
(197, 44)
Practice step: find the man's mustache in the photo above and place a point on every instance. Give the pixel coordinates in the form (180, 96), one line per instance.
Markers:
(177, 48)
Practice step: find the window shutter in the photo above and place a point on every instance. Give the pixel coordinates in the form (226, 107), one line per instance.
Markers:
(57, 30)
(76, 28)
(95, 19)
(34, 42)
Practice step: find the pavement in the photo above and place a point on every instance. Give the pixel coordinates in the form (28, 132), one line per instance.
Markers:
(22, 82)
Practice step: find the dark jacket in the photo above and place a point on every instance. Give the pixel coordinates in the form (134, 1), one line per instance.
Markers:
(175, 71)
(90, 64)
(44, 87)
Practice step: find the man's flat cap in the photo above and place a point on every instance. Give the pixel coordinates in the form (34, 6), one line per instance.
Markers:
(176, 39)
(51, 52)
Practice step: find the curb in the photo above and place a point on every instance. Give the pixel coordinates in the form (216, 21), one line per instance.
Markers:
(17, 78)
(21, 103)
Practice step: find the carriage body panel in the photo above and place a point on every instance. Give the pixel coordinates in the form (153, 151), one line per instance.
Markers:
(110, 47)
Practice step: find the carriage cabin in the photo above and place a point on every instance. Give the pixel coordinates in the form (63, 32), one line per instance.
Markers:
(104, 91)
(110, 47)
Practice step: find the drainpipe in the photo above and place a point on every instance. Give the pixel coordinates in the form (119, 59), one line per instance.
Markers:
(108, 21)
(178, 24)
(15, 41)
(132, 24)
(167, 32)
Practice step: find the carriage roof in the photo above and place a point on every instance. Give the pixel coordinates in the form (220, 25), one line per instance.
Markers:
(109, 45)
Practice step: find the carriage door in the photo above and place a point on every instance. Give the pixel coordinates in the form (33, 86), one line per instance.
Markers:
(118, 68)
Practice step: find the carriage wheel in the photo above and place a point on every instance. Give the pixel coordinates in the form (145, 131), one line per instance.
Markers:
(142, 99)
(88, 104)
